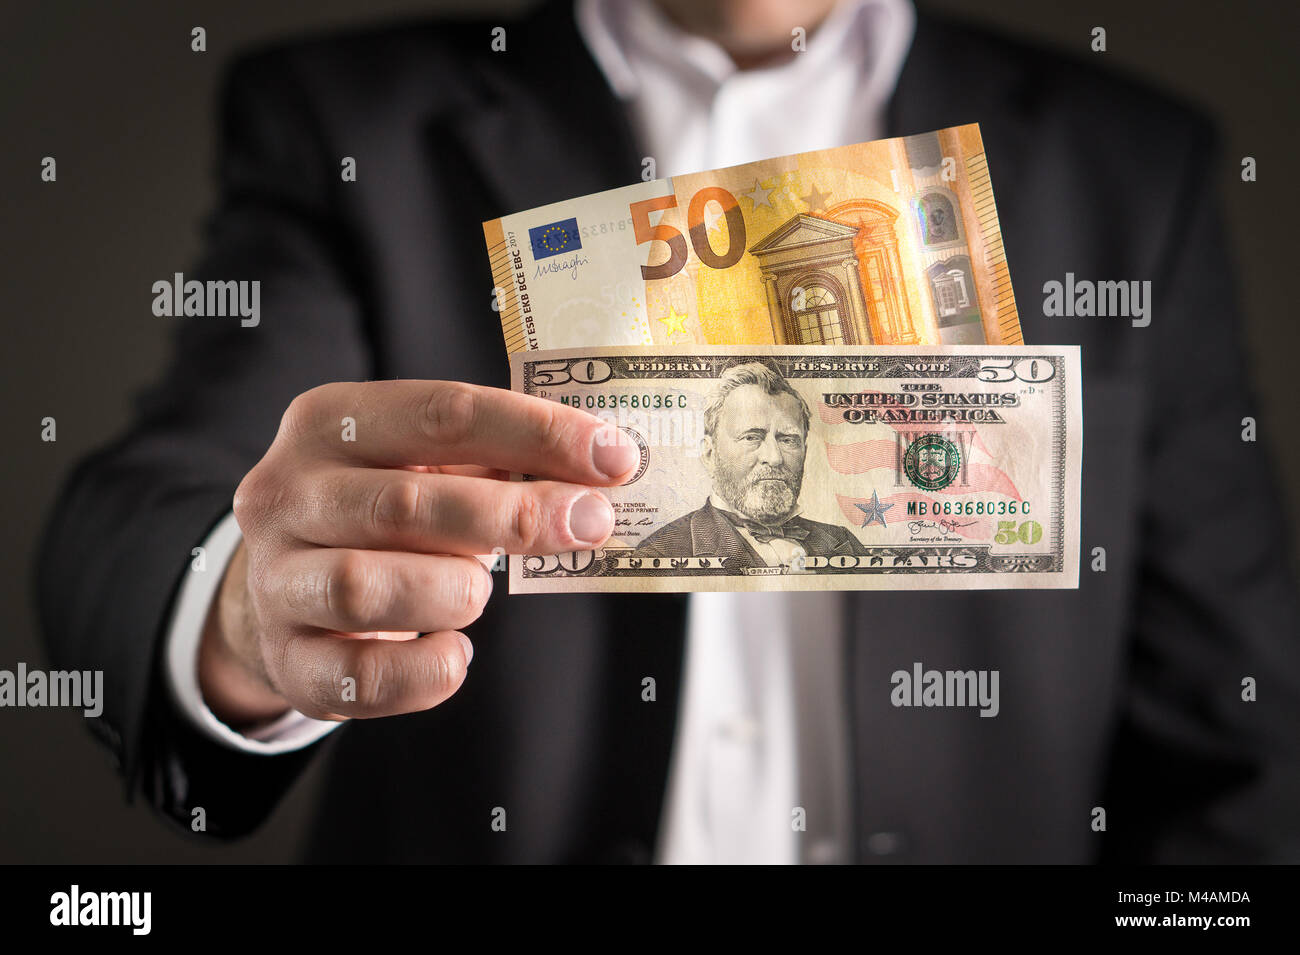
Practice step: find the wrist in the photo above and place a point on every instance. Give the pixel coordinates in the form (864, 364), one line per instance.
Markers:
(233, 686)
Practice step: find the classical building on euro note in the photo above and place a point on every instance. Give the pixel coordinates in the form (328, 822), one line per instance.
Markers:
(835, 277)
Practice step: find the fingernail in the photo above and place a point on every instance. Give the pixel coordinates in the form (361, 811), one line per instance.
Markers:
(591, 517)
(467, 647)
(612, 453)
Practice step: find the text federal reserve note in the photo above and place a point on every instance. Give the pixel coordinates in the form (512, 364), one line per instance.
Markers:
(826, 467)
(894, 242)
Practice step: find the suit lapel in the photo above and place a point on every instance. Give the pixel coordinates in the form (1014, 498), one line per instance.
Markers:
(820, 541)
(522, 137)
(944, 82)
(542, 124)
(712, 533)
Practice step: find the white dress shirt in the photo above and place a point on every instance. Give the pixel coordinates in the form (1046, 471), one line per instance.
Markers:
(762, 730)
(760, 766)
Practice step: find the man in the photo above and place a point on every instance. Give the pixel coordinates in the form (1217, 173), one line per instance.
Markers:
(219, 685)
(754, 445)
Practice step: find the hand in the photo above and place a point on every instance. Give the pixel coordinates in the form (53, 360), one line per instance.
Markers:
(354, 548)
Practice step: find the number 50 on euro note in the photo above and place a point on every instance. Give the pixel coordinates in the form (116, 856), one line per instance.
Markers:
(893, 242)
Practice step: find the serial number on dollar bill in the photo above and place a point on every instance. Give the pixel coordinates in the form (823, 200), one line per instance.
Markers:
(650, 402)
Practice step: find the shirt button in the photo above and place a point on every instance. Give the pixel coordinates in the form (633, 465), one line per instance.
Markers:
(885, 843)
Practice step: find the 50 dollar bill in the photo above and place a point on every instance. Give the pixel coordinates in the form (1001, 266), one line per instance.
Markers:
(893, 242)
(826, 468)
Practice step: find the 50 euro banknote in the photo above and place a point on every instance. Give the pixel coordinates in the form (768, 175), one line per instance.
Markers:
(825, 467)
(893, 242)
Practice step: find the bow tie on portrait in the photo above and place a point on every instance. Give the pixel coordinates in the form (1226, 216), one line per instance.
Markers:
(765, 533)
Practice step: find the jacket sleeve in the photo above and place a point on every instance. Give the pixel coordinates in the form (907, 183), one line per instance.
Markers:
(120, 538)
(1202, 772)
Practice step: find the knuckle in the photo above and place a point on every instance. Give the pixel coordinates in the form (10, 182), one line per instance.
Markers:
(276, 649)
(247, 497)
(255, 497)
(293, 671)
(554, 436)
(450, 411)
(295, 594)
(466, 590)
(527, 520)
(374, 675)
(480, 587)
(397, 505)
(297, 673)
(354, 592)
(300, 411)
(307, 409)
(441, 673)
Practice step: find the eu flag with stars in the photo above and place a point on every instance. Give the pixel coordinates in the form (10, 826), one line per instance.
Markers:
(548, 240)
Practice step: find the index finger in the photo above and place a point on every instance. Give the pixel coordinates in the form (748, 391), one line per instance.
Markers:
(412, 422)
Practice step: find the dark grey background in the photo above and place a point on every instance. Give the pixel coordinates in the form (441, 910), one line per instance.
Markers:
(114, 93)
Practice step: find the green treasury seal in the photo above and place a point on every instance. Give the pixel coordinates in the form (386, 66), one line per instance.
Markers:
(931, 462)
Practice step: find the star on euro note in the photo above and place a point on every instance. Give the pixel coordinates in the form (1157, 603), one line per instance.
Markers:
(875, 511)
(816, 199)
(759, 196)
(674, 321)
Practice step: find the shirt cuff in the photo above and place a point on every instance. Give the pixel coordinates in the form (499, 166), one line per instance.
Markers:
(287, 733)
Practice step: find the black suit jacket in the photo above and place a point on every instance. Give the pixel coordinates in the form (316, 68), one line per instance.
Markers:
(707, 532)
(1124, 694)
